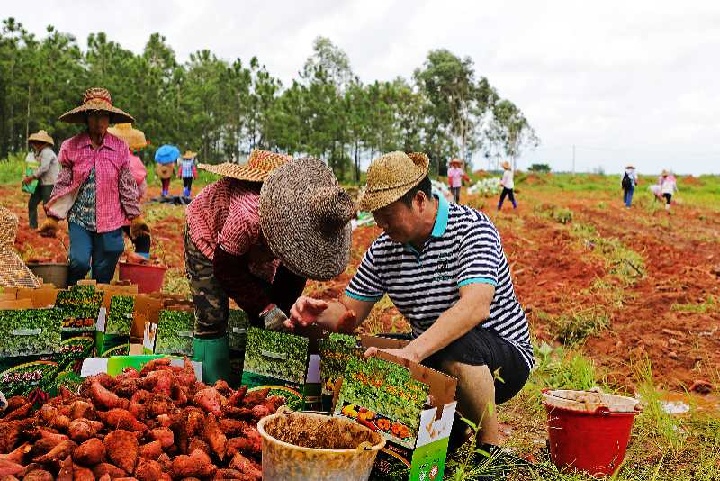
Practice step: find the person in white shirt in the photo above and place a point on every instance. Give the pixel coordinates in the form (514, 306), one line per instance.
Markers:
(508, 184)
(47, 173)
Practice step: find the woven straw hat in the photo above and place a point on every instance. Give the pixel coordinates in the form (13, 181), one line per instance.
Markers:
(41, 136)
(305, 218)
(189, 154)
(629, 166)
(664, 173)
(258, 166)
(13, 271)
(390, 177)
(456, 162)
(505, 165)
(96, 98)
(133, 137)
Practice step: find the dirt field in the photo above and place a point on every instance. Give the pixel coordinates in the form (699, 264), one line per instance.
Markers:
(663, 303)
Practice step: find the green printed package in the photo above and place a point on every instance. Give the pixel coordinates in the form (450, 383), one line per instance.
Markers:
(276, 360)
(174, 333)
(335, 351)
(72, 352)
(26, 374)
(237, 339)
(79, 306)
(391, 396)
(112, 337)
(27, 332)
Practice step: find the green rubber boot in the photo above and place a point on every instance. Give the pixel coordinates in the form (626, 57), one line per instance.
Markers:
(215, 357)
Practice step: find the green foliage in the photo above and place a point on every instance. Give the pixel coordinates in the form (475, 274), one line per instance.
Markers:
(559, 368)
(574, 328)
(540, 168)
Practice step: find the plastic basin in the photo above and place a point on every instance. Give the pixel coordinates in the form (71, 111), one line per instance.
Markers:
(51, 272)
(148, 278)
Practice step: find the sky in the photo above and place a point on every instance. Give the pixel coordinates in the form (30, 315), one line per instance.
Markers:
(604, 83)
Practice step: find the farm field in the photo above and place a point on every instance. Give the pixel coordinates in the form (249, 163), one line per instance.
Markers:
(627, 299)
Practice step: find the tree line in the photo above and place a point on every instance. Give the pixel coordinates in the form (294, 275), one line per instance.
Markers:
(223, 109)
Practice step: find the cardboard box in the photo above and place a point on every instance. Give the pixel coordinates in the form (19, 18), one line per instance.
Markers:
(279, 361)
(146, 310)
(80, 306)
(115, 365)
(112, 333)
(335, 351)
(391, 395)
(173, 333)
(41, 297)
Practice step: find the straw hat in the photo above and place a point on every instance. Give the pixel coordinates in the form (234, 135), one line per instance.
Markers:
(305, 218)
(189, 154)
(258, 166)
(41, 136)
(133, 137)
(456, 162)
(505, 165)
(96, 98)
(390, 177)
(13, 271)
(664, 173)
(629, 166)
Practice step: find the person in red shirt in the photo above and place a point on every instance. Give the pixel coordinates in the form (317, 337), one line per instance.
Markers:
(255, 236)
(95, 190)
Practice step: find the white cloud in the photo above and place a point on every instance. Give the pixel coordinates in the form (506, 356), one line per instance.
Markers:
(620, 80)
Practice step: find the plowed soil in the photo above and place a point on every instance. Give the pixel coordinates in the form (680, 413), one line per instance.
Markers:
(671, 315)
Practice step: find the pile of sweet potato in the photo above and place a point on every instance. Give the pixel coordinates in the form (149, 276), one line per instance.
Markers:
(159, 423)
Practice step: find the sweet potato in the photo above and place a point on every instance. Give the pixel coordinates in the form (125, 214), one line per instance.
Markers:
(89, 453)
(122, 448)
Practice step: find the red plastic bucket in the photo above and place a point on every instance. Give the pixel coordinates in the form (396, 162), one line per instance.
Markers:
(148, 278)
(588, 431)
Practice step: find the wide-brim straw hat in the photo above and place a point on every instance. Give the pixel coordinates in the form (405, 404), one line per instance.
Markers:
(629, 166)
(96, 98)
(259, 165)
(505, 165)
(13, 271)
(305, 218)
(41, 136)
(456, 162)
(133, 137)
(390, 177)
(189, 154)
(664, 173)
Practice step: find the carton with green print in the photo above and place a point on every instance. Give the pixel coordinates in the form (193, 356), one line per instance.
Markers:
(112, 336)
(173, 333)
(279, 361)
(410, 405)
(28, 351)
(335, 350)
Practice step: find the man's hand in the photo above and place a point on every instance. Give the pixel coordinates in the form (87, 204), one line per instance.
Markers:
(49, 228)
(405, 353)
(27, 179)
(305, 312)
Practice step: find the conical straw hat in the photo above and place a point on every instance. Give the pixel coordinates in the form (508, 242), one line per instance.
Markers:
(133, 137)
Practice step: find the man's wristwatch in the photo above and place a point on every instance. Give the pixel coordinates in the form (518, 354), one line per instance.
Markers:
(273, 318)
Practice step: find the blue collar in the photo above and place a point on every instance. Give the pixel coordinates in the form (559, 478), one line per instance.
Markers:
(441, 218)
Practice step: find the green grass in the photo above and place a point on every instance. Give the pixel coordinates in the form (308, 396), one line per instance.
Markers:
(711, 304)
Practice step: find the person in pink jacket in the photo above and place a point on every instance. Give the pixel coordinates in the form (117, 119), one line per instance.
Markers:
(135, 139)
(456, 174)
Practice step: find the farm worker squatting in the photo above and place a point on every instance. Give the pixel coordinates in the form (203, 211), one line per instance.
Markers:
(443, 267)
(256, 236)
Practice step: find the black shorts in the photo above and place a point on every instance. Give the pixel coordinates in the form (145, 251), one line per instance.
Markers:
(481, 347)
(667, 198)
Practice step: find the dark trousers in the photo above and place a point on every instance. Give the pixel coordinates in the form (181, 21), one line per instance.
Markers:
(509, 194)
(165, 186)
(91, 249)
(41, 194)
(628, 196)
(456, 194)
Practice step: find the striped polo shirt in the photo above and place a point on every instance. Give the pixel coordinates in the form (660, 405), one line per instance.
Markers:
(464, 248)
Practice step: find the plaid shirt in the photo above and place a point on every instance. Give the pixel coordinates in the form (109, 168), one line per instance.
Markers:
(116, 197)
(226, 213)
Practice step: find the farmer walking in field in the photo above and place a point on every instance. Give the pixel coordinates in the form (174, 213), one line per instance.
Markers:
(187, 171)
(628, 183)
(95, 190)
(456, 175)
(508, 184)
(46, 174)
(256, 236)
(443, 267)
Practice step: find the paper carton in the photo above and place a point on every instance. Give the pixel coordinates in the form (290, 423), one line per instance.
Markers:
(277, 360)
(115, 365)
(411, 405)
(335, 351)
(173, 333)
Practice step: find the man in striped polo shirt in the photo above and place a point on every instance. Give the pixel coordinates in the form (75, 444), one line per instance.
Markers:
(443, 267)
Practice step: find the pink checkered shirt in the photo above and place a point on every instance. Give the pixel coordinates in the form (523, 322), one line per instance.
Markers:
(226, 213)
(116, 192)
